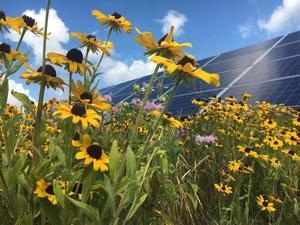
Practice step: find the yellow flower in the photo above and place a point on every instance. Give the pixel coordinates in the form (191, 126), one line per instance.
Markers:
(45, 190)
(75, 140)
(185, 69)
(276, 163)
(246, 96)
(79, 113)
(276, 143)
(15, 23)
(31, 24)
(296, 121)
(90, 98)
(269, 123)
(51, 80)
(72, 61)
(291, 154)
(198, 102)
(247, 151)
(7, 54)
(92, 43)
(115, 21)
(166, 46)
(223, 188)
(291, 138)
(93, 153)
(234, 165)
(265, 204)
(173, 122)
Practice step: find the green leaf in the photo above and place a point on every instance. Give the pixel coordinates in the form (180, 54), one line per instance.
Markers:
(3, 93)
(60, 155)
(16, 67)
(115, 161)
(108, 187)
(130, 163)
(90, 211)
(51, 211)
(58, 193)
(137, 205)
(24, 100)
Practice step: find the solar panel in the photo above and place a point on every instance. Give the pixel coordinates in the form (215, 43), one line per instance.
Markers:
(269, 70)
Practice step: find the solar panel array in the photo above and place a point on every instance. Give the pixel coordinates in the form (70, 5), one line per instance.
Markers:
(269, 70)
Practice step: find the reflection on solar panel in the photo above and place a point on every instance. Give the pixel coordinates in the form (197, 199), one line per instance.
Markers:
(269, 70)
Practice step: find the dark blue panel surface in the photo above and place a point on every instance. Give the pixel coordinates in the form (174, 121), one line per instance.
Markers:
(282, 51)
(291, 38)
(271, 70)
(204, 61)
(285, 91)
(262, 46)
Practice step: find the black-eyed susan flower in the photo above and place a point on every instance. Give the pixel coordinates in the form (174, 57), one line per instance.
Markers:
(31, 24)
(11, 110)
(45, 190)
(276, 143)
(72, 61)
(276, 163)
(78, 113)
(76, 139)
(198, 102)
(8, 22)
(247, 151)
(50, 77)
(265, 204)
(7, 54)
(166, 46)
(291, 154)
(115, 21)
(245, 96)
(234, 165)
(224, 188)
(296, 121)
(93, 153)
(90, 98)
(172, 121)
(269, 123)
(185, 69)
(92, 43)
(245, 168)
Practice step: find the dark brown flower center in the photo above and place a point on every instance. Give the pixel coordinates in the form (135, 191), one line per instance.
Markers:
(116, 15)
(291, 152)
(293, 138)
(265, 204)
(275, 142)
(87, 96)
(223, 188)
(247, 150)
(94, 151)
(2, 16)
(49, 190)
(270, 122)
(75, 55)
(76, 136)
(186, 60)
(49, 70)
(168, 115)
(5, 48)
(28, 20)
(78, 110)
(90, 36)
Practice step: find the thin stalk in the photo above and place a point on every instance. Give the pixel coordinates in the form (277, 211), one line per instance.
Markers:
(18, 46)
(70, 91)
(102, 55)
(85, 62)
(42, 91)
(147, 94)
(160, 116)
(5, 188)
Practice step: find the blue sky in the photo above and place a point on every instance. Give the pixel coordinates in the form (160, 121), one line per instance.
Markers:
(212, 27)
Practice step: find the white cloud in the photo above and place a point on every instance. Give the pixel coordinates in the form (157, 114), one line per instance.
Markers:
(176, 19)
(116, 71)
(246, 30)
(59, 34)
(13, 85)
(284, 18)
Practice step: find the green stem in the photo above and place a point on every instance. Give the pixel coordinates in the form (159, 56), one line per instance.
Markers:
(10, 200)
(42, 91)
(102, 55)
(18, 46)
(146, 145)
(139, 116)
(70, 91)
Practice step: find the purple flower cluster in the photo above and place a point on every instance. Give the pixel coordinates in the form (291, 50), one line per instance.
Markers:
(208, 139)
(151, 105)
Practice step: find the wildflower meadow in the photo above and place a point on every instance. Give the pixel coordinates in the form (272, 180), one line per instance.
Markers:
(84, 160)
